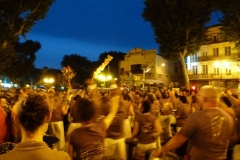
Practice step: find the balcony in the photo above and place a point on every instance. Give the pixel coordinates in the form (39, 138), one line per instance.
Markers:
(213, 76)
(234, 56)
(212, 41)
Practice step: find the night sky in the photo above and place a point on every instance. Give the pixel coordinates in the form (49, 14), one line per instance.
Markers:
(89, 28)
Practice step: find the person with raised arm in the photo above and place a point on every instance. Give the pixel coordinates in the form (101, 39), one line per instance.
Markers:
(87, 141)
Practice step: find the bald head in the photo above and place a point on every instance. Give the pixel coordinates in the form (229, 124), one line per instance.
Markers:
(210, 93)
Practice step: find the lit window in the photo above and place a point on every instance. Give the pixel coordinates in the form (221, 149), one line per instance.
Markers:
(228, 71)
(227, 51)
(195, 70)
(205, 69)
(215, 52)
(216, 71)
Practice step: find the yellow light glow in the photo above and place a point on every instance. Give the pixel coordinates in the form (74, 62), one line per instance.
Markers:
(222, 64)
(48, 80)
(109, 77)
(216, 64)
(226, 64)
(101, 77)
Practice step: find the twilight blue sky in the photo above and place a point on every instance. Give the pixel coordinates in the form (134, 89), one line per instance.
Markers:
(89, 28)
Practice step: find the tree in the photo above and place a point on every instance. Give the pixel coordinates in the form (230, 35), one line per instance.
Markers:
(230, 20)
(81, 65)
(179, 27)
(17, 18)
(23, 64)
(114, 63)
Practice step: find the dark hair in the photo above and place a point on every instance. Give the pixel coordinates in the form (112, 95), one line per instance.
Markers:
(85, 108)
(176, 95)
(146, 106)
(183, 99)
(194, 99)
(165, 94)
(32, 112)
(125, 96)
(226, 101)
(76, 97)
(4, 97)
(150, 98)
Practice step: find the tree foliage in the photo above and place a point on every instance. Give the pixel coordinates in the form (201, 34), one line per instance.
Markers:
(23, 64)
(114, 63)
(17, 18)
(81, 65)
(230, 20)
(179, 27)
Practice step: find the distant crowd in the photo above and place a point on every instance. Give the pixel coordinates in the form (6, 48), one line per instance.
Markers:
(89, 124)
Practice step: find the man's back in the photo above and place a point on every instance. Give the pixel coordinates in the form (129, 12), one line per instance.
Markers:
(34, 150)
(208, 131)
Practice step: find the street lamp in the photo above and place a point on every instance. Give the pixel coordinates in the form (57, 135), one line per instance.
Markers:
(48, 81)
(104, 78)
(109, 77)
(145, 69)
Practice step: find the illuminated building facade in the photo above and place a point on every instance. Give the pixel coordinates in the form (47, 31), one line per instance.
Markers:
(145, 68)
(216, 63)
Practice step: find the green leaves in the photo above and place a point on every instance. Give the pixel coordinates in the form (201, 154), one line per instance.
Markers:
(17, 17)
(230, 20)
(22, 63)
(178, 25)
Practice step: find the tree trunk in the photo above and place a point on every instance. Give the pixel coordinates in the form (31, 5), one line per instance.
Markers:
(185, 73)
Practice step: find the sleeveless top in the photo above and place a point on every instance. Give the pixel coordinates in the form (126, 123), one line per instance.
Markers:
(146, 128)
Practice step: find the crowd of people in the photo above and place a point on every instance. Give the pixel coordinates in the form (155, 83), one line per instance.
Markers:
(93, 124)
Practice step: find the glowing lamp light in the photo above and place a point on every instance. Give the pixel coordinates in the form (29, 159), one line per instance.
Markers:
(193, 87)
(48, 80)
(109, 77)
(217, 64)
(101, 77)
(226, 65)
(222, 64)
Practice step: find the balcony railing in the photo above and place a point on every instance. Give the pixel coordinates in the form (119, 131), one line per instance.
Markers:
(211, 58)
(212, 41)
(213, 76)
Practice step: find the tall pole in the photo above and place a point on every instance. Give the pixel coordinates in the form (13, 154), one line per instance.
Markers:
(221, 78)
(107, 76)
(144, 71)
